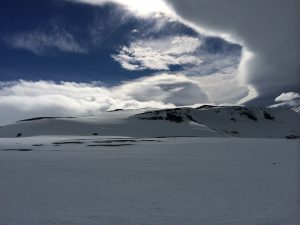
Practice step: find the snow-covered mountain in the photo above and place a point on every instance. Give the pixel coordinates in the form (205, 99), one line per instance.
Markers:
(204, 121)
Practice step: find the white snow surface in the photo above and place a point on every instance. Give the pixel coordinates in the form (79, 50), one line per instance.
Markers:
(184, 166)
(76, 180)
(207, 121)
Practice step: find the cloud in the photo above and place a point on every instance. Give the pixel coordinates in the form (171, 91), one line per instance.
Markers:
(159, 54)
(169, 89)
(26, 99)
(45, 43)
(141, 8)
(287, 96)
(269, 29)
(222, 88)
(287, 99)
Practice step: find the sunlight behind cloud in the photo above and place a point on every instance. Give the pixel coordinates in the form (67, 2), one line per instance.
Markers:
(140, 7)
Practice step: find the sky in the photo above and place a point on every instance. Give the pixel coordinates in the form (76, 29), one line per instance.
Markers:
(83, 57)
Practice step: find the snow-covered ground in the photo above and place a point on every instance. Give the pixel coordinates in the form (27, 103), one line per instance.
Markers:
(185, 166)
(206, 121)
(149, 181)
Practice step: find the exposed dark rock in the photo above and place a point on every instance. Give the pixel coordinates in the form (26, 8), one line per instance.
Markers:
(268, 116)
(174, 118)
(115, 110)
(42, 118)
(151, 118)
(292, 136)
(206, 107)
(249, 114)
(238, 108)
(171, 115)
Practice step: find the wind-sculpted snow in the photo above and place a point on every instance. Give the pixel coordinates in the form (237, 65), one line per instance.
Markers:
(204, 121)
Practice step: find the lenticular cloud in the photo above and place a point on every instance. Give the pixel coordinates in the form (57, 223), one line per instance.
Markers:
(269, 29)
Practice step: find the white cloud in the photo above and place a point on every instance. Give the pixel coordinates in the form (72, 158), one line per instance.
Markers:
(170, 89)
(25, 99)
(222, 88)
(287, 99)
(287, 96)
(159, 54)
(46, 43)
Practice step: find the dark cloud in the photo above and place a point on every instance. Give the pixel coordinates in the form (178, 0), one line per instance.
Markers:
(270, 29)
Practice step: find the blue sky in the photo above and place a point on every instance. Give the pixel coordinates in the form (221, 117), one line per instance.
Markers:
(93, 34)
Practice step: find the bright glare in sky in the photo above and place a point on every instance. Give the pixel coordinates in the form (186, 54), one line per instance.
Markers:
(145, 7)
(141, 7)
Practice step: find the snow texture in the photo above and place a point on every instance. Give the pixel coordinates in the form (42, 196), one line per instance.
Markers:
(186, 166)
(158, 181)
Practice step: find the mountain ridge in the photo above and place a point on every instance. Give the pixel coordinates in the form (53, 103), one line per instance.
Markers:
(203, 121)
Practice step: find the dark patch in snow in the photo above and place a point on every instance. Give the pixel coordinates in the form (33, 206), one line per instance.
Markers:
(42, 118)
(19, 135)
(114, 141)
(115, 110)
(206, 107)
(151, 118)
(292, 136)
(124, 141)
(18, 149)
(174, 118)
(109, 145)
(67, 142)
(150, 140)
(246, 112)
(268, 116)
(172, 115)
(175, 136)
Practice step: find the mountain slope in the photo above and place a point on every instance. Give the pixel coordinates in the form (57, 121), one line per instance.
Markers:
(205, 121)
(235, 120)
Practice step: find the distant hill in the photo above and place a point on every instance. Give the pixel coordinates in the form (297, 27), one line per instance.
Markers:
(204, 121)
